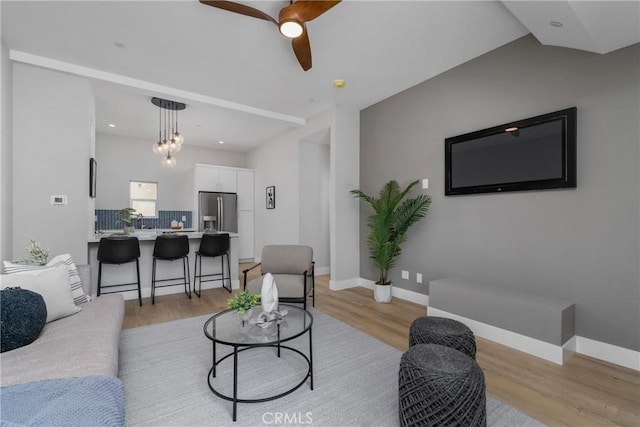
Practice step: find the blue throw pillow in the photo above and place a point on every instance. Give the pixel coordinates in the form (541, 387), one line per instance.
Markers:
(24, 314)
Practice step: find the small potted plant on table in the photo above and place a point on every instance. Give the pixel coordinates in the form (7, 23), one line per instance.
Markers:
(243, 302)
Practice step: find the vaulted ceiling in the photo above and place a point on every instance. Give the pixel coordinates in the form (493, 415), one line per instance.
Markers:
(239, 77)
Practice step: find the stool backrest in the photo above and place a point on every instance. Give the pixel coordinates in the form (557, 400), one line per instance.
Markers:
(171, 246)
(214, 244)
(118, 249)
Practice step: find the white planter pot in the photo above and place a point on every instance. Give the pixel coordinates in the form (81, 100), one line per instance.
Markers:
(382, 293)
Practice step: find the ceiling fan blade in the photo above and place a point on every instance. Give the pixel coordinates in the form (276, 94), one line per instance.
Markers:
(302, 49)
(239, 8)
(307, 10)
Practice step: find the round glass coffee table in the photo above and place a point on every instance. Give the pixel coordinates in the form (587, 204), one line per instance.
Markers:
(228, 329)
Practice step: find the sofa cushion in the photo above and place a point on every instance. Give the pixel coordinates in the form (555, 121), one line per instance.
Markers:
(24, 314)
(51, 283)
(80, 345)
(75, 282)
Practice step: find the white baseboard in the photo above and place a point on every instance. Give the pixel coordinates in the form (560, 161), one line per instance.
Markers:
(553, 353)
(544, 350)
(320, 271)
(401, 293)
(608, 352)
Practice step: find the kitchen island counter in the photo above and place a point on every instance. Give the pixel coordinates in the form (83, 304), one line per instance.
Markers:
(112, 274)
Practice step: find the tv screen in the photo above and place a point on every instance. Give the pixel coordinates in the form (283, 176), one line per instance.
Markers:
(531, 154)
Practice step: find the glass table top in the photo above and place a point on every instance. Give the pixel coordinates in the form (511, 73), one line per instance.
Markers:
(226, 327)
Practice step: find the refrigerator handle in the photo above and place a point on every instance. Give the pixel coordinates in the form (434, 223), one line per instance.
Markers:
(220, 214)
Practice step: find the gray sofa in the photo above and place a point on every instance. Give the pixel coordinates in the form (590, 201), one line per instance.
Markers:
(76, 356)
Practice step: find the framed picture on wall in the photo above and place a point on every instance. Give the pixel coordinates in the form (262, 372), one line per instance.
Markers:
(93, 167)
(271, 197)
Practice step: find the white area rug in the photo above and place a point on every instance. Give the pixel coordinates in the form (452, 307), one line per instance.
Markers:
(164, 368)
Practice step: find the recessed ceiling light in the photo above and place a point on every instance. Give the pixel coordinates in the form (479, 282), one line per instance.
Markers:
(111, 125)
(119, 45)
(221, 142)
(556, 24)
(339, 83)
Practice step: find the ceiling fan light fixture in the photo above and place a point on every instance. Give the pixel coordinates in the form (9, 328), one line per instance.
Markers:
(291, 28)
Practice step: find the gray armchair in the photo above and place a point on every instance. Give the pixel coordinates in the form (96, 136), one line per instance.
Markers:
(292, 268)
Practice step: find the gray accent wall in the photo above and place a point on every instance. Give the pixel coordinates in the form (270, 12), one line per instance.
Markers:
(581, 245)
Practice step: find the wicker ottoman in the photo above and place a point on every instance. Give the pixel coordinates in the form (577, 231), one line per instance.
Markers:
(443, 331)
(440, 386)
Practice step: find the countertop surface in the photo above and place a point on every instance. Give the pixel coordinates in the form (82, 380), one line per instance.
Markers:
(151, 234)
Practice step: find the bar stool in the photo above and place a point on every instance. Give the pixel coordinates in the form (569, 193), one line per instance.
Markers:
(212, 245)
(119, 250)
(170, 247)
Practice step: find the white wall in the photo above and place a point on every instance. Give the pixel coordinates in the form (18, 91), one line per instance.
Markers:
(276, 163)
(314, 199)
(123, 159)
(52, 136)
(6, 154)
(279, 163)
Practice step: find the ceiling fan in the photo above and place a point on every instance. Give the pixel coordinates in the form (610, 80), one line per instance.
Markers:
(291, 21)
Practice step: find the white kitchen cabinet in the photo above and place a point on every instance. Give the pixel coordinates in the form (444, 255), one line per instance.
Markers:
(244, 186)
(245, 236)
(214, 178)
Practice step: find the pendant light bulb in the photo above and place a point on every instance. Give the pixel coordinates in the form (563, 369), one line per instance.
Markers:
(169, 161)
(179, 138)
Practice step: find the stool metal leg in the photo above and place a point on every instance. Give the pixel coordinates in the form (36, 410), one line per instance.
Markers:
(228, 268)
(139, 286)
(186, 273)
(197, 279)
(153, 282)
(99, 276)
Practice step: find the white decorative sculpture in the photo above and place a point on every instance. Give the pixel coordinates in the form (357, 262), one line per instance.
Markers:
(269, 294)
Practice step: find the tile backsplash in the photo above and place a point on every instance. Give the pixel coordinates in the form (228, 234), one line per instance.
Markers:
(107, 219)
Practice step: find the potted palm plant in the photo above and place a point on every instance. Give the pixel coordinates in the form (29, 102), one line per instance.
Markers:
(392, 217)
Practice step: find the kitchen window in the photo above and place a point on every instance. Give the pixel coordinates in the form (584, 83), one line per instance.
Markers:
(144, 198)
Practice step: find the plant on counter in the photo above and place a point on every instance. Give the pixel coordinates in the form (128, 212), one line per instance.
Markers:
(36, 254)
(126, 215)
(243, 301)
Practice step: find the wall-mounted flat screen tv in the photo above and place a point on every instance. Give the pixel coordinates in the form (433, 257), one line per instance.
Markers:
(531, 154)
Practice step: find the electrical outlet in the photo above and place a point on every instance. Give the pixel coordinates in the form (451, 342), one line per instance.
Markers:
(419, 277)
(184, 218)
(405, 274)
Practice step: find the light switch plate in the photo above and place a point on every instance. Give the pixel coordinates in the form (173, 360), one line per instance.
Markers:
(405, 274)
(184, 218)
(425, 183)
(58, 200)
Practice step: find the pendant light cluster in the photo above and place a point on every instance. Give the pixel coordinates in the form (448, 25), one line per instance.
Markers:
(169, 139)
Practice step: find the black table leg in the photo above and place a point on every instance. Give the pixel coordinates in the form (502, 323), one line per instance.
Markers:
(235, 381)
(214, 359)
(310, 360)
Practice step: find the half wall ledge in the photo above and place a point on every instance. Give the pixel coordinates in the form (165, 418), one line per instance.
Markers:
(541, 326)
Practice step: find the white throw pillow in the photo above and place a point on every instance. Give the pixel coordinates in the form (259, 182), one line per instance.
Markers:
(51, 283)
(75, 282)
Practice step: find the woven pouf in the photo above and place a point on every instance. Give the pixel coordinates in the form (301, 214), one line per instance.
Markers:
(443, 331)
(440, 386)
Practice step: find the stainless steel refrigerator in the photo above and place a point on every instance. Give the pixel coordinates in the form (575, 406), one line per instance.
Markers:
(218, 211)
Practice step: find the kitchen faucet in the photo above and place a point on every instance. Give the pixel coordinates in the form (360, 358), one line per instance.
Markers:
(141, 218)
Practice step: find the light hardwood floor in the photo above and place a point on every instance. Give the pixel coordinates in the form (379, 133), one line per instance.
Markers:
(583, 392)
